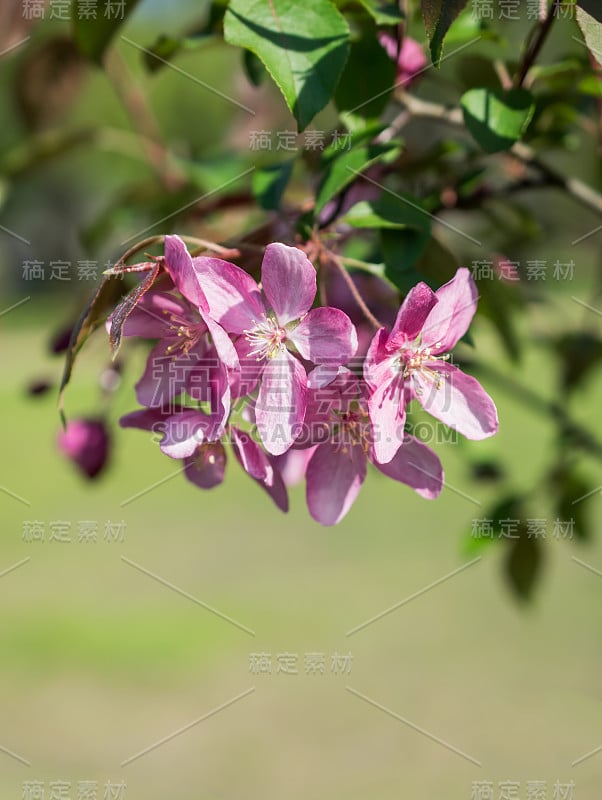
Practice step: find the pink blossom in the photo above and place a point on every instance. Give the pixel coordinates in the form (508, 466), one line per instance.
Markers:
(197, 439)
(276, 329)
(338, 426)
(411, 362)
(193, 354)
(411, 60)
(86, 442)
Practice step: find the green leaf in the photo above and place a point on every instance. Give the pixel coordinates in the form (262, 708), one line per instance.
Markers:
(590, 85)
(270, 182)
(491, 527)
(398, 212)
(401, 250)
(341, 167)
(167, 47)
(497, 118)
(211, 173)
(523, 564)
(109, 291)
(477, 71)
(383, 12)
(367, 81)
(405, 234)
(579, 355)
(93, 35)
(467, 26)
(436, 266)
(303, 46)
(589, 17)
(438, 17)
(571, 490)
(254, 69)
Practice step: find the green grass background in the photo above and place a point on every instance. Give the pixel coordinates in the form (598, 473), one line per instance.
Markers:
(99, 661)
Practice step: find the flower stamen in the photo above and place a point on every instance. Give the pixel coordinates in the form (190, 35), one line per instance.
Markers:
(266, 337)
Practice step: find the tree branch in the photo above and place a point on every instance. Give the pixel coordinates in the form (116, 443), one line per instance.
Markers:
(535, 42)
(576, 188)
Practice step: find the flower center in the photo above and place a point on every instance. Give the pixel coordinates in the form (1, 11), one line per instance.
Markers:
(266, 338)
(417, 359)
(353, 429)
(186, 333)
(206, 455)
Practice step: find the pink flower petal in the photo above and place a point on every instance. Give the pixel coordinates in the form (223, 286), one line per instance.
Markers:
(233, 296)
(247, 378)
(146, 419)
(178, 263)
(325, 336)
(281, 402)
(292, 465)
(334, 477)
(411, 60)
(386, 407)
(209, 383)
(459, 401)
(376, 357)
(450, 318)
(417, 466)
(223, 344)
(260, 466)
(182, 430)
(386, 403)
(412, 315)
(185, 431)
(166, 374)
(288, 280)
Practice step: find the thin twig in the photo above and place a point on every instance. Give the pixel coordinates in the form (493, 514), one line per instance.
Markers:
(578, 189)
(376, 324)
(535, 43)
(143, 120)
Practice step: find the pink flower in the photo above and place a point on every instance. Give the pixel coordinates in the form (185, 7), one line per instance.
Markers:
(411, 361)
(411, 60)
(196, 438)
(338, 427)
(86, 442)
(276, 329)
(193, 353)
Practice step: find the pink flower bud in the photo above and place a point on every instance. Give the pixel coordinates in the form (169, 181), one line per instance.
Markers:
(86, 442)
(411, 60)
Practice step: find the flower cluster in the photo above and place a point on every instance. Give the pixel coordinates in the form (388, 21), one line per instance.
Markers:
(257, 367)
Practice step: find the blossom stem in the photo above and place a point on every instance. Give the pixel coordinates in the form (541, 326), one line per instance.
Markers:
(205, 244)
(202, 244)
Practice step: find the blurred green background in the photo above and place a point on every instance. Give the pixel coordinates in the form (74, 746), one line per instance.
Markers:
(100, 661)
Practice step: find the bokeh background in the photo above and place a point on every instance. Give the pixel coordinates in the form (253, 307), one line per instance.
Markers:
(100, 660)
